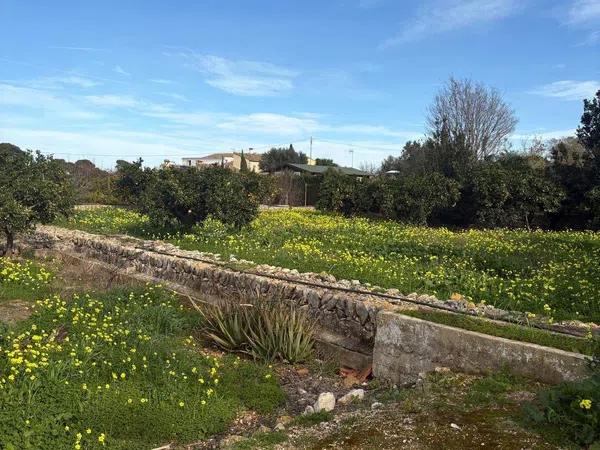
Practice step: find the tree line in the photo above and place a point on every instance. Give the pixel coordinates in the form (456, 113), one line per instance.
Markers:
(462, 174)
(465, 173)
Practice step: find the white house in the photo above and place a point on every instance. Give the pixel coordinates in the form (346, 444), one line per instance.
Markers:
(215, 159)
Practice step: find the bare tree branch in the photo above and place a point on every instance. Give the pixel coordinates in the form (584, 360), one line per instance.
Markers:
(475, 112)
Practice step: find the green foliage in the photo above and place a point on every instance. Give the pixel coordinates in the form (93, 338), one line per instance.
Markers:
(510, 269)
(588, 132)
(35, 189)
(23, 280)
(312, 419)
(260, 440)
(276, 158)
(492, 389)
(90, 183)
(132, 180)
(243, 163)
(325, 162)
(123, 366)
(510, 193)
(572, 408)
(343, 193)
(182, 197)
(267, 330)
(414, 199)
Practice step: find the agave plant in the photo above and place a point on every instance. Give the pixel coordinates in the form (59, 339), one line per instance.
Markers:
(267, 330)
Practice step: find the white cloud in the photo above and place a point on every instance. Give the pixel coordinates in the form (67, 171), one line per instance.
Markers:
(59, 82)
(121, 71)
(584, 12)
(43, 102)
(77, 49)
(174, 96)
(263, 123)
(160, 81)
(240, 77)
(568, 89)
(118, 101)
(366, 4)
(544, 135)
(447, 15)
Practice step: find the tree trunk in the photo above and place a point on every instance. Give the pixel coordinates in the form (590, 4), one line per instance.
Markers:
(10, 242)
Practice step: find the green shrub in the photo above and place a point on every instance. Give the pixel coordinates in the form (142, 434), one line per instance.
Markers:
(267, 330)
(572, 408)
(345, 194)
(414, 198)
(177, 198)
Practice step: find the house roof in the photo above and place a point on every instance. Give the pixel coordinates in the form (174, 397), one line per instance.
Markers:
(322, 169)
(254, 157)
(211, 156)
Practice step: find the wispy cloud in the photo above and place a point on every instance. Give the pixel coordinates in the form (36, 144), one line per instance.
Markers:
(271, 123)
(119, 101)
(582, 12)
(591, 39)
(76, 49)
(442, 16)
(543, 134)
(118, 69)
(174, 96)
(241, 77)
(160, 81)
(42, 102)
(366, 4)
(59, 82)
(568, 89)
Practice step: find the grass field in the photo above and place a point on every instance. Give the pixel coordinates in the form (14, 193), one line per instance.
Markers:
(553, 273)
(118, 369)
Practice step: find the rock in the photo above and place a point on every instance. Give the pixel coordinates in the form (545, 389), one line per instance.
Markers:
(231, 440)
(309, 410)
(376, 405)
(279, 427)
(302, 391)
(353, 395)
(453, 425)
(285, 420)
(302, 371)
(441, 370)
(263, 429)
(325, 402)
(355, 283)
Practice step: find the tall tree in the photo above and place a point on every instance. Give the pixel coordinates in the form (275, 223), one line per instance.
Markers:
(276, 158)
(474, 111)
(34, 189)
(325, 162)
(243, 163)
(588, 132)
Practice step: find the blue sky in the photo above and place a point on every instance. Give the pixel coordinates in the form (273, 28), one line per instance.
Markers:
(119, 79)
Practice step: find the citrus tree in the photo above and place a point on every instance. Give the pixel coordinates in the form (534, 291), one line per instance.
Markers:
(33, 189)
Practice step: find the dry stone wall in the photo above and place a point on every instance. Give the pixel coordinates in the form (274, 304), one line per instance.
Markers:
(362, 327)
(348, 319)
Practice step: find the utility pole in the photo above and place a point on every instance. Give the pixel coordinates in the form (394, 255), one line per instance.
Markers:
(310, 152)
(351, 151)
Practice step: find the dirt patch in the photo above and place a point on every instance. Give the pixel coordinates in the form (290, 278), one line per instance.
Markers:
(75, 274)
(392, 428)
(13, 311)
